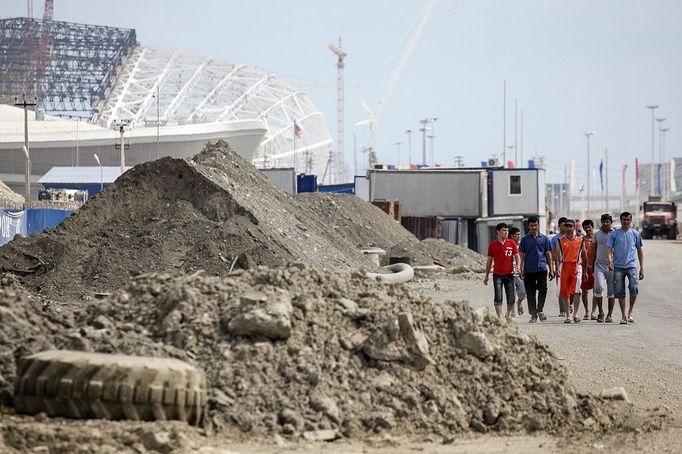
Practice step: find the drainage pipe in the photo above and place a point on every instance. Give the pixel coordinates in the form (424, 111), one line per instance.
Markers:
(399, 273)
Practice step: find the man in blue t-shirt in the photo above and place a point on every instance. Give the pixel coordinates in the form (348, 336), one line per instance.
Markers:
(536, 265)
(624, 249)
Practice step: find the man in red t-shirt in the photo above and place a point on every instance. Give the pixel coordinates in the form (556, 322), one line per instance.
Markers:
(504, 254)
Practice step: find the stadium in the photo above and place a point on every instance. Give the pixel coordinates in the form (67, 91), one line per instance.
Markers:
(84, 84)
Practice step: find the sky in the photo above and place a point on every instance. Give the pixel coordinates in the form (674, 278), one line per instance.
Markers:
(572, 66)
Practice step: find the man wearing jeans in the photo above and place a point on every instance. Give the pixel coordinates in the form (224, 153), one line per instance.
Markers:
(623, 244)
(504, 253)
(603, 276)
(536, 266)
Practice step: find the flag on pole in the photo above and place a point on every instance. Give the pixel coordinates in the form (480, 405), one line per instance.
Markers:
(601, 174)
(637, 174)
(298, 132)
(510, 164)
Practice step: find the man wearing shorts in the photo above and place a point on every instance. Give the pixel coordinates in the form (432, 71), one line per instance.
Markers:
(504, 253)
(568, 254)
(603, 275)
(553, 243)
(588, 281)
(515, 235)
(625, 248)
(536, 266)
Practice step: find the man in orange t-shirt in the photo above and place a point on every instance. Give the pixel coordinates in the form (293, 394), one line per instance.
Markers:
(568, 255)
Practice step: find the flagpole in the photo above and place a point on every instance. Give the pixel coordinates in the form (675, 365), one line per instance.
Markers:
(622, 196)
(606, 176)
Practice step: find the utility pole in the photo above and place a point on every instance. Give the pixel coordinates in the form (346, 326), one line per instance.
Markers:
(521, 144)
(158, 120)
(423, 131)
(25, 104)
(653, 108)
(459, 161)
(504, 122)
(516, 132)
(659, 184)
(121, 129)
(606, 176)
(397, 145)
(409, 147)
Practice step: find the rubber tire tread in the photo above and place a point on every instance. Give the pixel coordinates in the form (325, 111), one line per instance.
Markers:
(93, 385)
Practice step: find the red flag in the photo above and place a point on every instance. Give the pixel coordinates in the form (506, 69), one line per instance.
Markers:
(636, 174)
(510, 164)
(298, 132)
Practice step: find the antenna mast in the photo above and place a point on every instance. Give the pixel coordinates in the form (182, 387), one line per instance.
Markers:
(340, 164)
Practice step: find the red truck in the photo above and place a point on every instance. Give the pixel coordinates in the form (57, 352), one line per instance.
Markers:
(660, 218)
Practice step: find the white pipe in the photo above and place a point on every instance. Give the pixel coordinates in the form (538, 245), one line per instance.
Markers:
(399, 273)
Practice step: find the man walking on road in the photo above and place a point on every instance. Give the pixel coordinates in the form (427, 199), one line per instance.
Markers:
(536, 266)
(504, 253)
(553, 242)
(623, 244)
(568, 254)
(603, 275)
(515, 234)
(588, 281)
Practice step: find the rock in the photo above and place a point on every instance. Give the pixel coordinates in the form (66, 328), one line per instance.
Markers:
(102, 322)
(263, 314)
(400, 340)
(477, 344)
(616, 393)
(321, 435)
(325, 405)
(292, 418)
(157, 441)
(347, 305)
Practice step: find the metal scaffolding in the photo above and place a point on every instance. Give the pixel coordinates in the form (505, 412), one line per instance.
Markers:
(69, 67)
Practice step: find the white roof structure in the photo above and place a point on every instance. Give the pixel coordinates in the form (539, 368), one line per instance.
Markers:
(203, 90)
(82, 175)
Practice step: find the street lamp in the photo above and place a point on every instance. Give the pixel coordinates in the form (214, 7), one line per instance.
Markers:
(398, 144)
(653, 108)
(409, 147)
(425, 127)
(588, 134)
(101, 178)
(660, 154)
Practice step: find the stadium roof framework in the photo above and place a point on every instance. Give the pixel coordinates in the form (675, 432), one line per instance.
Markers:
(200, 89)
(68, 67)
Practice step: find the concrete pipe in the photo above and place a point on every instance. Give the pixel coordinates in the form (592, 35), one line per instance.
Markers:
(399, 273)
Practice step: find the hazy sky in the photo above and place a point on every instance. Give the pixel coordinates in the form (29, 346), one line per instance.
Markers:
(573, 65)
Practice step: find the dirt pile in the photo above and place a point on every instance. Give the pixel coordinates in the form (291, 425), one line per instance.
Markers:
(213, 212)
(10, 199)
(365, 225)
(300, 351)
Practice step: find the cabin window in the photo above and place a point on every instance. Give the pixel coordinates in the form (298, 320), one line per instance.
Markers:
(514, 184)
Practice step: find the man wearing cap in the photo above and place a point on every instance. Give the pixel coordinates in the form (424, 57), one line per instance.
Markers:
(569, 253)
(603, 276)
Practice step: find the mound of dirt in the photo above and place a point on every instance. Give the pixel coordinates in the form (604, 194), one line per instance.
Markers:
(213, 212)
(300, 351)
(10, 199)
(365, 225)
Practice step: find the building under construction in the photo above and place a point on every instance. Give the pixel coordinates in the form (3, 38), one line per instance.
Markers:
(169, 103)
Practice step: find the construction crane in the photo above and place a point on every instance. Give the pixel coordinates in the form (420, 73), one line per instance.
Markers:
(340, 164)
(371, 121)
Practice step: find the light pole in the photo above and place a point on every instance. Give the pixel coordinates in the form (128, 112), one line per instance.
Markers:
(26, 105)
(653, 108)
(409, 147)
(431, 137)
(158, 114)
(588, 134)
(424, 122)
(670, 166)
(101, 176)
(397, 145)
(660, 155)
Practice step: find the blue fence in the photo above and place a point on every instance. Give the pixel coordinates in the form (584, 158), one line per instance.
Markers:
(28, 222)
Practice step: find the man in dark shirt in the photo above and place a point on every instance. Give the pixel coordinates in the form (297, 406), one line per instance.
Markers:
(536, 267)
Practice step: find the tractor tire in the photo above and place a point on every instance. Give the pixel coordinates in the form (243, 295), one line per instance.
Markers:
(647, 234)
(96, 385)
(672, 233)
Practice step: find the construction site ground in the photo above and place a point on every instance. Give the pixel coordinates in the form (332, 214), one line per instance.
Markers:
(204, 261)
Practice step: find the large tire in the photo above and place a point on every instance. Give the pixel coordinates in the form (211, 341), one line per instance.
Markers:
(95, 385)
(672, 233)
(647, 234)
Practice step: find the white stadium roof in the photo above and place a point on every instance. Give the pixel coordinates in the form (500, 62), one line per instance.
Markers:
(198, 89)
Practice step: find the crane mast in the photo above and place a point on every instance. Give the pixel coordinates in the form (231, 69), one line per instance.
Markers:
(340, 151)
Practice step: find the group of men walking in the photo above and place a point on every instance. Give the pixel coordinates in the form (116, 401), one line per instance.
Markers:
(600, 261)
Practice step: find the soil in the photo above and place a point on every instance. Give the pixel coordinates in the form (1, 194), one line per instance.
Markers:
(297, 343)
(9, 199)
